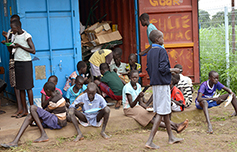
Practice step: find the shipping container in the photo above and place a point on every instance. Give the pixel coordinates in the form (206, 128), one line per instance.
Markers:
(178, 20)
(55, 24)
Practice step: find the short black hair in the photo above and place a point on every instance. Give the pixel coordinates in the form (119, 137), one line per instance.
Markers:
(16, 17)
(131, 55)
(49, 86)
(178, 66)
(175, 79)
(154, 35)
(144, 16)
(211, 73)
(16, 23)
(80, 65)
(131, 72)
(104, 66)
(117, 50)
(79, 78)
(55, 78)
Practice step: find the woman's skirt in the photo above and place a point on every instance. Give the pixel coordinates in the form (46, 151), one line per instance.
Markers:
(24, 75)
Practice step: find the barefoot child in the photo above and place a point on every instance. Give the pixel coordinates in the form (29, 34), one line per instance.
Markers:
(90, 100)
(158, 68)
(110, 84)
(10, 37)
(44, 97)
(81, 70)
(133, 105)
(53, 117)
(74, 91)
(118, 66)
(205, 97)
(23, 47)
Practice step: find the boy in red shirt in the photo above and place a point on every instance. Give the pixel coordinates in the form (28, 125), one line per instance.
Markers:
(177, 98)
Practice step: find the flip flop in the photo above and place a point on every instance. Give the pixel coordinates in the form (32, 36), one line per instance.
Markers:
(40, 141)
(8, 146)
(21, 115)
(2, 112)
(14, 115)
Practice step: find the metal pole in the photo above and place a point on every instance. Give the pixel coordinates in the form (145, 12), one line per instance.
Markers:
(137, 30)
(233, 25)
(227, 45)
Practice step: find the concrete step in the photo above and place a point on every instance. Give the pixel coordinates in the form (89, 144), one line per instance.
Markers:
(9, 126)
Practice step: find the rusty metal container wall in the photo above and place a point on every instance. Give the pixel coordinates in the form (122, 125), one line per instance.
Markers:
(178, 20)
(120, 12)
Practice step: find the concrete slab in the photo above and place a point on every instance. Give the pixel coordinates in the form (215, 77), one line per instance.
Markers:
(9, 126)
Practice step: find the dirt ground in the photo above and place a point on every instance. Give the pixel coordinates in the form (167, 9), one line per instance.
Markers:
(195, 138)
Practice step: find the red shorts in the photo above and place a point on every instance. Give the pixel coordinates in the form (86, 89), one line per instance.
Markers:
(106, 89)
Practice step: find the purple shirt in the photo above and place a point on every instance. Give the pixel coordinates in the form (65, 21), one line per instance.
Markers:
(208, 92)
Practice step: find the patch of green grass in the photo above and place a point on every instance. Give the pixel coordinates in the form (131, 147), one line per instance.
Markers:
(215, 118)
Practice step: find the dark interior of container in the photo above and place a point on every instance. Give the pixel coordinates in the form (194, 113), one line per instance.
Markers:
(120, 12)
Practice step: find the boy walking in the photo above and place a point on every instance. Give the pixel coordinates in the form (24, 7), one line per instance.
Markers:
(158, 68)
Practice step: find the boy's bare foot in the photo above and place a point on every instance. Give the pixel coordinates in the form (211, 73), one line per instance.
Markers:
(16, 113)
(118, 104)
(175, 140)
(78, 138)
(104, 135)
(182, 126)
(210, 131)
(43, 138)
(152, 146)
(233, 114)
(9, 145)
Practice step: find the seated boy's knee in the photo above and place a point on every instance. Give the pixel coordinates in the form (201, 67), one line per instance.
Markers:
(33, 108)
(71, 111)
(107, 109)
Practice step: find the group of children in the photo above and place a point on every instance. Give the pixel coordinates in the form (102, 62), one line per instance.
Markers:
(110, 77)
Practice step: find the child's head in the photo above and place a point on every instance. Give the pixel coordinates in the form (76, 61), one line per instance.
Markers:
(53, 79)
(179, 66)
(103, 68)
(132, 59)
(15, 26)
(175, 79)
(156, 37)
(49, 88)
(91, 90)
(79, 82)
(14, 17)
(117, 53)
(213, 77)
(81, 67)
(134, 77)
(144, 18)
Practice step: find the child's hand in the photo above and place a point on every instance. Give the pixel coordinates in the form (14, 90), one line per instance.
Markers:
(3, 41)
(16, 45)
(218, 100)
(115, 70)
(141, 94)
(4, 34)
(79, 104)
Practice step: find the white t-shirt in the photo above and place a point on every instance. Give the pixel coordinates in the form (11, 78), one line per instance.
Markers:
(22, 55)
(186, 79)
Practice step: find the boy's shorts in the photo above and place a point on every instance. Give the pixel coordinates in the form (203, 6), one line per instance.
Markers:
(95, 70)
(49, 119)
(210, 104)
(106, 89)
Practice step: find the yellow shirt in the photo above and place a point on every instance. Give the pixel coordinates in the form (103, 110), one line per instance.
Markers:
(99, 57)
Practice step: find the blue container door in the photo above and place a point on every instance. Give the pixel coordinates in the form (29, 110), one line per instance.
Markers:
(54, 26)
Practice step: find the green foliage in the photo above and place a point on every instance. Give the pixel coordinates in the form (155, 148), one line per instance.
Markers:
(213, 56)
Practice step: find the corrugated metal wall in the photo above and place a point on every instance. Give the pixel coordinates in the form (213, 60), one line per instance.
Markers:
(120, 12)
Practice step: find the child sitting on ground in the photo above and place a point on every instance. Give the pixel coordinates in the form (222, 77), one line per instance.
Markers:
(74, 91)
(118, 66)
(177, 98)
(44, 97)
(206, 100)
(185, 86)
(132, 65)
(110, 84)
(133, 105)
(89, 101)
(81, 70)
(53, 117)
